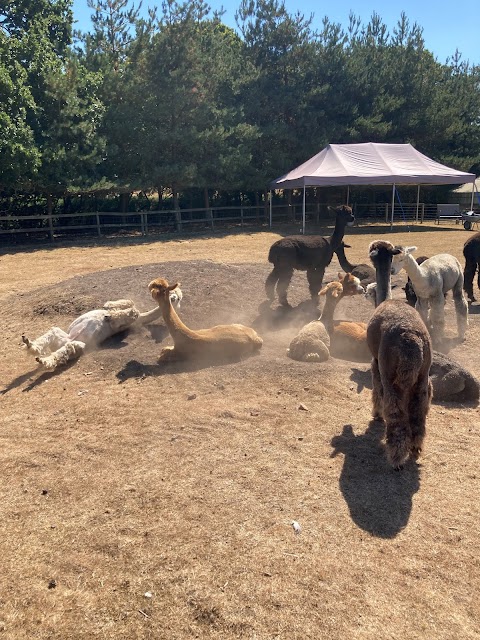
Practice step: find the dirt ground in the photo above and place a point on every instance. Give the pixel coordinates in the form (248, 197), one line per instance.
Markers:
(141, 500)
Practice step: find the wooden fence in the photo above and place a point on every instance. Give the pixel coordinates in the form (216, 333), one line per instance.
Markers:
(103, 223)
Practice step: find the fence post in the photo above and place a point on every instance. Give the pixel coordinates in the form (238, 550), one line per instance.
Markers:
(49, 212)
(99, 231)
(386, 212)
(241, 216)
(178, 219)
(209, 213)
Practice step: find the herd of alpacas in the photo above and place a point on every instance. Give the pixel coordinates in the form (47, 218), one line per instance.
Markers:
(398, 339)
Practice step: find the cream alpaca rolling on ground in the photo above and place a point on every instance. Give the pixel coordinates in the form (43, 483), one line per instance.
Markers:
(222, 341)
(57, 347)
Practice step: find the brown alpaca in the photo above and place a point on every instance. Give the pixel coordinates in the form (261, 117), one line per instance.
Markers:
(402, 354)
(226, 341)
(312, 342)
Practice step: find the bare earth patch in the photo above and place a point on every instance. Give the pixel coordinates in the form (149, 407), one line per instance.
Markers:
(141, 500)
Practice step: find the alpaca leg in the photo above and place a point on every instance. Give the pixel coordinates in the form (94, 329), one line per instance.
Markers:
(422, 307)
(437, 318)
(461, 308)
(270, 283)
(377, 392)
(399, 436)
(168, 354)
(468, 275)
(315, 279)
(70, 351)
(119, 304)
(50, 341)
(284, 278)
(419, 405)
(478, 278)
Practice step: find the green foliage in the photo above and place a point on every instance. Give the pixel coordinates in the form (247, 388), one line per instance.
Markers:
(180, 100)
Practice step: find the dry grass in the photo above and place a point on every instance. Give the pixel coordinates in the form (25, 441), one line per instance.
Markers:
(122, 477)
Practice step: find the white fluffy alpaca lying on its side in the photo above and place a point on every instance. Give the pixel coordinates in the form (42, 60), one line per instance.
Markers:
(57, 347)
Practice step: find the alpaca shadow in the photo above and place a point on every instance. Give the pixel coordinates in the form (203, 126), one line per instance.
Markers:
(363, 379)
(43, 377)
(379, 499)
(135, 369)
(284, 316)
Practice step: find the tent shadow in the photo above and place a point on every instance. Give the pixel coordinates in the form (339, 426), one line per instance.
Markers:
(379, 499)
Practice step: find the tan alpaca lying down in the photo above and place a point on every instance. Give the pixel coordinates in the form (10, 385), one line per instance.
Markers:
(316, 340)
(223, 341)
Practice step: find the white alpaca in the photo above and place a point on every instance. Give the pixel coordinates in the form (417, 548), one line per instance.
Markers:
(57, 347)
(431, 280)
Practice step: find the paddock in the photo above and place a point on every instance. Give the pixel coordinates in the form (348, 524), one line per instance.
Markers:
(141, 500)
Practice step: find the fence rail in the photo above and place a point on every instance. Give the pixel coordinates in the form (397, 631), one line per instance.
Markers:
(59, 225)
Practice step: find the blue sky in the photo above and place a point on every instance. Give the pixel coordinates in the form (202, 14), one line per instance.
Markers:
(446, 26)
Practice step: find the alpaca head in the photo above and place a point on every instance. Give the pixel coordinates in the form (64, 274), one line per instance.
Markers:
(398, 261)
(381, 254)
(371, 293)
(176, 296)
(332, 290)
(350, 284)
(160, 290)
(343, 214)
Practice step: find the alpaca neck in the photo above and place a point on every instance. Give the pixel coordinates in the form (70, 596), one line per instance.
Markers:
(337, 235)
(413, 270)
(347, 266)
(328, 311)
(384, 286)
(149, 316)
(175, 326)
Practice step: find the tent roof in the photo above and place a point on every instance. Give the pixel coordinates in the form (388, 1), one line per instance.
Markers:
(370, 163)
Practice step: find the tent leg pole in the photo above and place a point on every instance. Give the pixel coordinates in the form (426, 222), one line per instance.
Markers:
(473, 193)
(348, 194)
(270, 202)
(418, 203)
(303, 222)
(393, 207)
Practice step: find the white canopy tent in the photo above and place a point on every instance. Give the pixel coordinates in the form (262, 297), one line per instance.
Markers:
(369, 163)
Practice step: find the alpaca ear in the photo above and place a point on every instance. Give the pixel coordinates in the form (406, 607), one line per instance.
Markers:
(171, 287)
(373, 253)
(341, 276)
(346, 246)
(410, 250)
(323, 292)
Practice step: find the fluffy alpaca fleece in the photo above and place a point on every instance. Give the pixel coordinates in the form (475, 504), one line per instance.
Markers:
(312, 342)
(402, 355)
(431, 280)
(226, 341)
(471, 253)
(305, 253)
(57, 347)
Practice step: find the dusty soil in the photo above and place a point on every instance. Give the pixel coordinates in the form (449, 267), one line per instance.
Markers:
(141, 500)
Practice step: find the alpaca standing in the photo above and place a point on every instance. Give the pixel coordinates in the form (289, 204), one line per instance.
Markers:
(222, 341)
(471, 252)
(57, 347)
(364, 272)
(305, 253)
(402, 354)
(431, 280)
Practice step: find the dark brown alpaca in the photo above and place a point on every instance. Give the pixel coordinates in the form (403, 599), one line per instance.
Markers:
(364, 272)
(471, 252)
(402, 354)
(305, 253)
